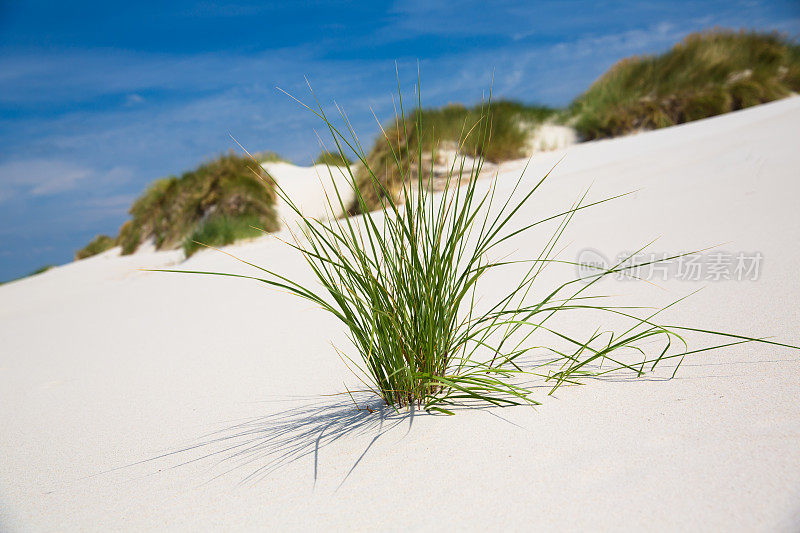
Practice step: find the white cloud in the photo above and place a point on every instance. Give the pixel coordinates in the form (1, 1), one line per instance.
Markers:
(39, 177)
(44, 177)
(133, 99)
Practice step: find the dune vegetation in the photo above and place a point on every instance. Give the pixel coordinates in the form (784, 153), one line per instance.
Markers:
(332, 159)
(222, 195)
(444, 130)
(268, 156)
(98, 245)
(706, 74)
(220, 230)
(403, 281)
(40, 270)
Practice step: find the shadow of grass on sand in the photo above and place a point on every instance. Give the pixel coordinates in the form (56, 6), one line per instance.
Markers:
(253, 449)
(256, 447)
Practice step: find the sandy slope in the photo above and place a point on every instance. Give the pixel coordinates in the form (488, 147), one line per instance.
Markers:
(304, 186)
(102, 365)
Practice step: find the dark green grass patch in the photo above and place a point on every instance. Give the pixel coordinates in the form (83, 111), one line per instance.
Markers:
(221, 230)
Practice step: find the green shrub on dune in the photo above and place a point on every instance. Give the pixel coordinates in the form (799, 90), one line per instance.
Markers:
(98, 245)
(226, 188)
(268, 156)
(706, 74)
(221, 230)
(129, 237)
(332, 159)
(453, 127)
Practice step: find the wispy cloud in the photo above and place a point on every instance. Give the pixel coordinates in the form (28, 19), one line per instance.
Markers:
(133, 99)
(47, 177)
(40, 177)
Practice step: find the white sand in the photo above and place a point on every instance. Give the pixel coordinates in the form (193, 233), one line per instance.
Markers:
(102, 365)
(304, 185)
(550, 136)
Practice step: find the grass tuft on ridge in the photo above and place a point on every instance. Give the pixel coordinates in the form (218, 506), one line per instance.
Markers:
(448, 129)
(40, 270)
(98, 245)
(706, 74)
(333, 159)
(268, 156)
(172, 208)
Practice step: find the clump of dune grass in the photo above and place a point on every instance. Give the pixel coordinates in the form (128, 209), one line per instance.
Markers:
(268, 156)
(221, 230)
(334, 159)
(228, 187)
(40, 270)
(171, 208)
(508, 127)
(707, 74)
(403, 281)
(129, 237)
(98, 245)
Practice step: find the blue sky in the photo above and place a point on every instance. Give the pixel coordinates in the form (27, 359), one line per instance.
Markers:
(97, 99)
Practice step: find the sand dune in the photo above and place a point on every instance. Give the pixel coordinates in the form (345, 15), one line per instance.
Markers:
(103, 365)
(305, 186)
